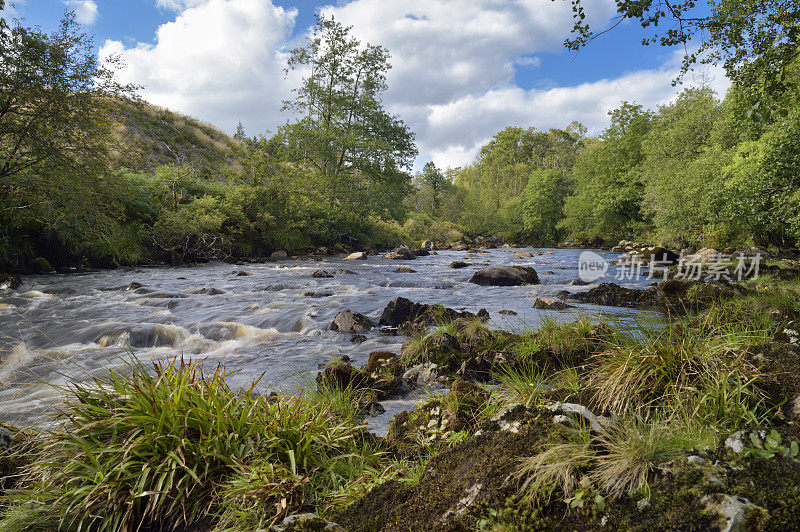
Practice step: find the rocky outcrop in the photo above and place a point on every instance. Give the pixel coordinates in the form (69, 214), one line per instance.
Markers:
(348, 321)
(505, 276)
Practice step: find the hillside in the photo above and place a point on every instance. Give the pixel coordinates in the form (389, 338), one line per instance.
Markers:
(148, 136)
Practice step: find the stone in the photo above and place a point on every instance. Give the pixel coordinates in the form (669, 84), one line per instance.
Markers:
(735, 442)
(506, 312)
(6, 438)
(459, 264)
(611, 294)
(403, 269)
(321, 274)
(241, 273)
(522, 255)
(597, 423)
(400, 254)
(358, 255)
(379, 359)
(133, 286)
(505, 276)
(734, 512)
(279, 255)
(543, 303)
(358, 338)
(562, 419)
(347, 321)
(209, 291)
(308, 521)
(427, 245)
(463, 504)
(342, 375)
(40, 265)
(421, 252)
(421, 374)
(9, 281)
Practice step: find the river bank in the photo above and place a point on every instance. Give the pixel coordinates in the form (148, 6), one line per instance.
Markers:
(578, 422)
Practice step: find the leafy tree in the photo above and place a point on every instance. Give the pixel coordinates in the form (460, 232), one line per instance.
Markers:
(54, 132)
(757, 41)
(240, 134)
(543, 205)
(344, 132)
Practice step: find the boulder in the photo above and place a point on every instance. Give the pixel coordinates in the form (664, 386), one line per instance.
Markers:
(421, 252)
(734, 512)
(505, 276)
(543, 303)
(613, 295)
(378, 360)
(342, 375)
(506, 312)
(358, 255)
(209, 291)
(458, 246)
(40, 265)
(400, 254)
(279, 255)
(596, 423)
(9, 281)
(459, 264)
(321, 274)
(348, 321)
(405, 270)
(241, 273)
(522, 255)
(404, 312)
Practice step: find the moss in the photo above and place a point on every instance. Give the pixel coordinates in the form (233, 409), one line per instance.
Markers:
(480, 465)
(773, 484)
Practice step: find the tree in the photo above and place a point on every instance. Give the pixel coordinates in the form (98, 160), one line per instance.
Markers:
(757, 41)
(240, 134)
(54, 131)
(433, 178)
(344, 127)
(543, 205)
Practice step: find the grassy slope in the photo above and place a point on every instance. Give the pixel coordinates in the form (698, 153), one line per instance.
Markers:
(148, 136)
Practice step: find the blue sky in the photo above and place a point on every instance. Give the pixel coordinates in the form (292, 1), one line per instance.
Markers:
(463, 69)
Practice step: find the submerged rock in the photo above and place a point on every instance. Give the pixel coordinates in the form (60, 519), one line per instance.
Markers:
(403, 269)
(459, 264)
(348, 321)
(210, 291)
(505, 276)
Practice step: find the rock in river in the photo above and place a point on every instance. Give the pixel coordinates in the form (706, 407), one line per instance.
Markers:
(348, 321)
(459, 264)
(505, 276)
(400, 254)
(542, 303)
(358, 255)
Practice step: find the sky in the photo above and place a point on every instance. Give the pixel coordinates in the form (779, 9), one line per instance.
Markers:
(462, 70)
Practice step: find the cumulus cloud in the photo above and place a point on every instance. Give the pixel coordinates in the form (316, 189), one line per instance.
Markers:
(453, 69)
(220, 60)
(85, 11)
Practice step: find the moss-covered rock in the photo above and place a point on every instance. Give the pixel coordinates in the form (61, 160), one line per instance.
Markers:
(40, 265)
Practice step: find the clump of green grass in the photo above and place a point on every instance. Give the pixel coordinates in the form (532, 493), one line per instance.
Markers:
(524, 384)
(559, 344)
(175, 447)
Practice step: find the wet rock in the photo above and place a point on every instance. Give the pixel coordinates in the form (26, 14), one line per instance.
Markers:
(427, 245)
(543, 303)
(421, 374)
(404, 312)
(421, 252)
(459, 264)
(734, 512)
(279, 255)
(507, 312)
(343, 375)
(9, 281)
(358, 255)
(40, 265)
(133, 286)
(241, 273)
(505, 276)
(403, 269)
(549, 272)
(611, 294)
(6, 437)
(400, 254)
(358, 338)
(210, 291)
(522, 255)
(321, 274)
(458, 246)
(577, 282)
(379, 359)
(348, 321)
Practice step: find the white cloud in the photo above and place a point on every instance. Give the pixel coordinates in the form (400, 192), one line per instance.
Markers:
(220, 61)
(453, 69)
(85, 11)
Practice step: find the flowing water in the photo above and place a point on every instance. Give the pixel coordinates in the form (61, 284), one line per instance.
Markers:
(272, 320)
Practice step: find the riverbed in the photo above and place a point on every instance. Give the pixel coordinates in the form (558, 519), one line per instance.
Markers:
(269, 320)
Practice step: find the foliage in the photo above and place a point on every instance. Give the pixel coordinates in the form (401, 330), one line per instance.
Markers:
(177, 447)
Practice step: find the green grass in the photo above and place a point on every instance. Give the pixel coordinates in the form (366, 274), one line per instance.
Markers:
(524, 384)
(561, 345)
(176, 447)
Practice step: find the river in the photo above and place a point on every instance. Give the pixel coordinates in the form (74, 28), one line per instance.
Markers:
(269, 319)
